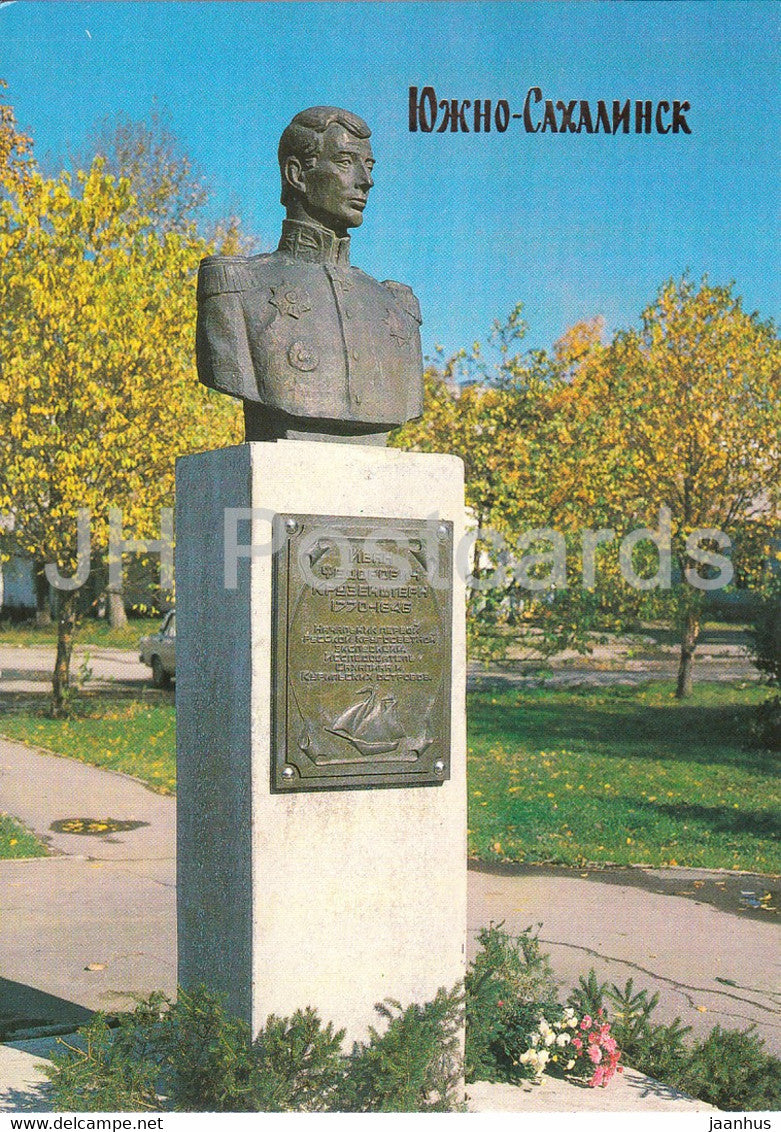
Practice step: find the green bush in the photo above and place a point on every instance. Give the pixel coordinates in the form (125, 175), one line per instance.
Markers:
(655, 1048)
(208, 1057)
(766, 640)
(294, 1064)
(766, 725)
(192, 1056)
(300, 1065)
(112, 1070)
(414, 1066)
(508, 974)
(588, 997)
(730, 1069)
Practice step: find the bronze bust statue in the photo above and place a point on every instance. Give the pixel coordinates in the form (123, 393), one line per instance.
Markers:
(315, 348)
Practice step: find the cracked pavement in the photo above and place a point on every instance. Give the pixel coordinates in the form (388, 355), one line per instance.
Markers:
(94, 924)
(708, 965)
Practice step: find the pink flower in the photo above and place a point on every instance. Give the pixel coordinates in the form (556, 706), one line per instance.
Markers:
(500, 1002)
(578, 1044)
(598, 1078)
(586, 1023)
(595, 1053)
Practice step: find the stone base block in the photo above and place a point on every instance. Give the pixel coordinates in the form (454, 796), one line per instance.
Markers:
(332, 898)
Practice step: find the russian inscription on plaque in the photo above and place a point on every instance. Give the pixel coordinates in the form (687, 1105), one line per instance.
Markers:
(361, 653)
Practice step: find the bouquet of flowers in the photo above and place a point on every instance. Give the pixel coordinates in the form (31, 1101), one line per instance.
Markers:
(579, 1049)
(594, 1052)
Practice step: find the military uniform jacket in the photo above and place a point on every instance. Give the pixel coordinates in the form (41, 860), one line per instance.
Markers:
(303, 332)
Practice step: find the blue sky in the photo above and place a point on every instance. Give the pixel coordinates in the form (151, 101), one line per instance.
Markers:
(570, 225)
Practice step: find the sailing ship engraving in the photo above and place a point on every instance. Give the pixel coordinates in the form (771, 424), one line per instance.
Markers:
(372, 726)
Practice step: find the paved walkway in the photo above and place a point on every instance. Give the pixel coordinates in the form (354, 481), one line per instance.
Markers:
(24, 1088)
(94, 924)
(26, 671)
(97, 921)
(29, 670)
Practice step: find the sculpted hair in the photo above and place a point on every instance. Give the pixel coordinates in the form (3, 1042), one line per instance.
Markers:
(303, 138)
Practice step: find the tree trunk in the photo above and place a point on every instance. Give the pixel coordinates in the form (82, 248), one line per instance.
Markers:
(689, 637)
(117, 616)
(66, 625)
(43, 616)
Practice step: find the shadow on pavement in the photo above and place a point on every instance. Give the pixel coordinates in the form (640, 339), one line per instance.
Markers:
(750, 896)
(23, 1008)
(38, 701)
(32, 1099)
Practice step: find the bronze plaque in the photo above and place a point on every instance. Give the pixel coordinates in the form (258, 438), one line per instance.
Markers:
(361, 652)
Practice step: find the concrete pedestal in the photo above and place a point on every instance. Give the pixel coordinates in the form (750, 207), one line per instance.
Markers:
(334, 899)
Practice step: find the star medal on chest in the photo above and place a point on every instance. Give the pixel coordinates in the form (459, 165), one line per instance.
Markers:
(292, 301)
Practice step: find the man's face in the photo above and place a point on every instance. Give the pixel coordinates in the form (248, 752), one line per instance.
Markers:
(337, 187)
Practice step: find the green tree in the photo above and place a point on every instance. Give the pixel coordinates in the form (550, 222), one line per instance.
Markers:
(484, 413)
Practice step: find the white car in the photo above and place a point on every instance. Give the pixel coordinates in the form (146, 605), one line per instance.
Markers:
(158, 650)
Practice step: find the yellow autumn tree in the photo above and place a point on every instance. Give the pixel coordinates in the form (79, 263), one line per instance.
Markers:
(506, 423)
(691, 402)
(170, 193)
(487, 413)
(16, 150)
(682, 414)
(98, 392)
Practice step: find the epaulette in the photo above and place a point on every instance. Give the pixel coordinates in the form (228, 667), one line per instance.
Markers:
(222, 274)
(405, 297)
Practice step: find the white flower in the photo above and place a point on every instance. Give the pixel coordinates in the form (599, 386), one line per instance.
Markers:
(570, 1064)
(550, 1038)
(563, 1040)
(542, 1058)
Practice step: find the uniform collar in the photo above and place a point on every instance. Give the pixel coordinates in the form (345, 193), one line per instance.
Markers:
(314, 244)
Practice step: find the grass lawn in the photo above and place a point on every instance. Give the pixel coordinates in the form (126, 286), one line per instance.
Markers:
(622, 775)
(16, 841)
(119, 734)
